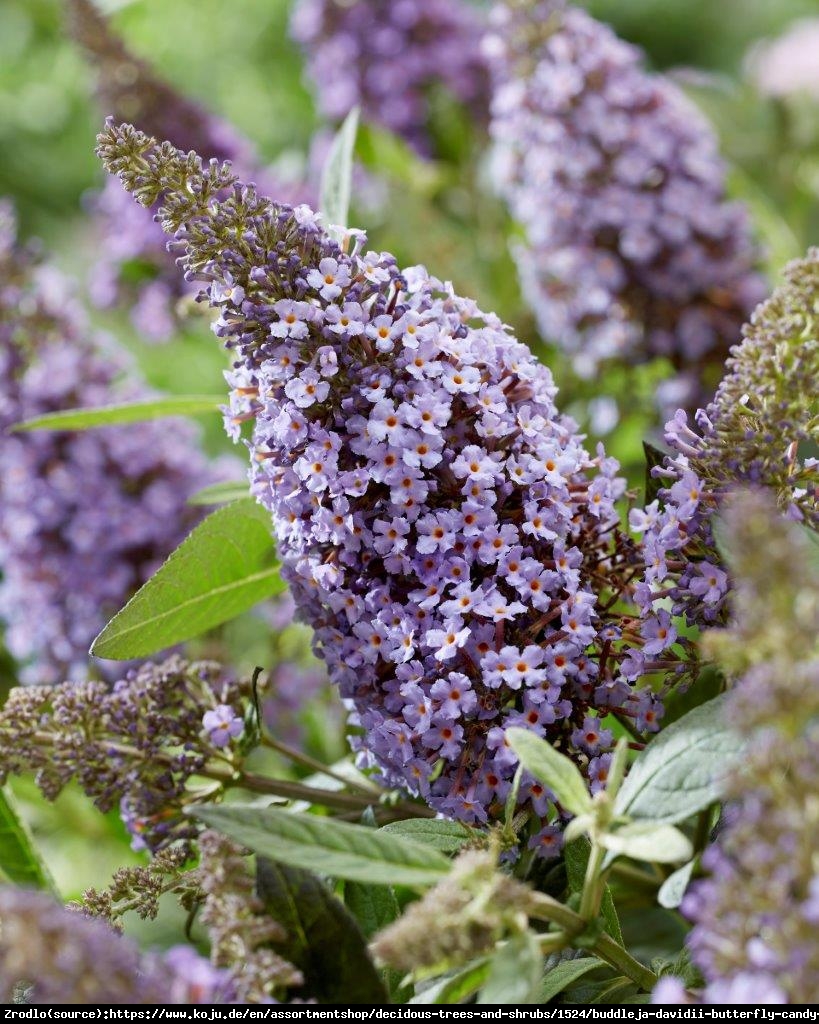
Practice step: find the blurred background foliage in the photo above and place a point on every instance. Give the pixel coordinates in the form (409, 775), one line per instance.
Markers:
(238, 60)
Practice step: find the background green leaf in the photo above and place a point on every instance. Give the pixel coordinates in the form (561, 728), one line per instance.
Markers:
(327, 846)
(323, 939)
(129, 412)
(19, 859)
(673, 888)
(220, 494)
(446, 836)
(225, 566)
(566, 973)
(681, 771)
(373, 906)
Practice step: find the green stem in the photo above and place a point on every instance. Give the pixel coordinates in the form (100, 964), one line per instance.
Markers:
(297, 757)
(545, 908)
(592, 884)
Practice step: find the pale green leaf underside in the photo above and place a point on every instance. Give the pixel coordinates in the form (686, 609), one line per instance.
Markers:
(552, 768)
(336, 178)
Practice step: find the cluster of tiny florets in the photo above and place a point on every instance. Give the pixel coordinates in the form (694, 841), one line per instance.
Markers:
(85, 517)
(756, 915)
(136, 745)
(386, 58)
(52, 955)
(757, 431)
(135, 268)
(441, 526)
(630, 248)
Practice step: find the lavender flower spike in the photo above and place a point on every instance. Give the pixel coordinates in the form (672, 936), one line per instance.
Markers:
(631, 250)
(440, 523)
(386, 58)
(85, 518)
(756, 937)
(758, 430)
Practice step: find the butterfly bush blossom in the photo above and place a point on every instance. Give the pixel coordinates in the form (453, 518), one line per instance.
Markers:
(49, 954)
(385, 58)
(135, 266)
(440, 524)
(758, 430)
(630, 248)
(755, 917)
(85, 517)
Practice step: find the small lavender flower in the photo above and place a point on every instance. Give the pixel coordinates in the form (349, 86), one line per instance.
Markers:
(135, 267)
(786, 66)
(386, 58)
(85, 518)
(440, 524)
(136, 745)
(630, 249)
(758, 431)
(755, 936)
(222, 725)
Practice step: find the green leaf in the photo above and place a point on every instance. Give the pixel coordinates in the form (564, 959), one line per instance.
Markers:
(373, 906)
(446, 836)
(576, 857)
(553, 769)
(673, 888)
(654, 457)
(130, 412)
(566, 973)
(19, 859)
(327, 846)
(323, 939)
(225, 566)
(650, 841)
(220, 494)
(337, 175)
(456, 986)
(681, 771)
(514, 972)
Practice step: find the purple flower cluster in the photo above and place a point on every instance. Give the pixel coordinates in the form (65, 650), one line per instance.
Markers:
(758, 430)
(135, 267)
(386, 58)
(135, 745)
(757, 913)
(85, 518)
(440, 524)
(631, 250)
(53, 955)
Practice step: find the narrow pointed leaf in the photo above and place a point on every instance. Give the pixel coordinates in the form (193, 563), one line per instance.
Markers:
(446, 836)
(337, 176)
(649, 841)
(514, 972)
(19, 860)
(552, 768)
(221, 494)
(128, 412)
(566, 973)
(328, 847)
(672, 890)
(225, 566)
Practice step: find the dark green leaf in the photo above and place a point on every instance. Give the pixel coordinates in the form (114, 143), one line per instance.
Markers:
(225, 566)
(514, 972)
(654, 457)
(446, 836)
(19, 860)
(373, 906)
(130, 412)
(337, 176)
(327, 846)
(323, 940)
(566, 973)
(552, 768)
(681, 771)
(220, 494)
(576, 857)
